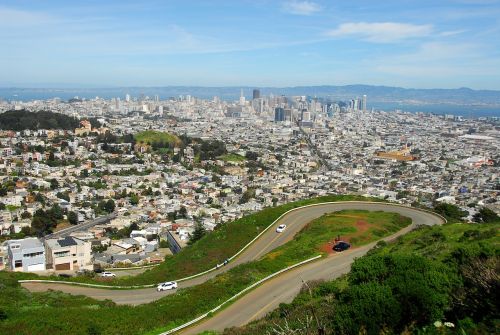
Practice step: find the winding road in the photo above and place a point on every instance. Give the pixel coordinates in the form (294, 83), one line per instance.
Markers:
(270, 294)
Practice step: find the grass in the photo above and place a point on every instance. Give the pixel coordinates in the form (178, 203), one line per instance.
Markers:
(440, 244)
(188, 303)
(152, 136)
(359, 227)
(231, 157)
(215, 247)
(11, 208)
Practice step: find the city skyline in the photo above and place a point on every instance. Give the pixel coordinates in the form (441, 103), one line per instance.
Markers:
(253, 43)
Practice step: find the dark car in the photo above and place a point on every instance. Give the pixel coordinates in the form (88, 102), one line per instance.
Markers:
(341, 246)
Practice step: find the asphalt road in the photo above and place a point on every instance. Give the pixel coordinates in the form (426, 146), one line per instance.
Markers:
(281, 289)
(82, 226)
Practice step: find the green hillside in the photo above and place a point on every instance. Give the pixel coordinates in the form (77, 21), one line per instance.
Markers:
(152, 137)
(215, 247)
(435, 280)
(172, 310)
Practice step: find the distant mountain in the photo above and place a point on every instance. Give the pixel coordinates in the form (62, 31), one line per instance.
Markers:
(386, 94)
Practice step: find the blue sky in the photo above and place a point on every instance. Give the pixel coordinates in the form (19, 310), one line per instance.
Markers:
(420, 44)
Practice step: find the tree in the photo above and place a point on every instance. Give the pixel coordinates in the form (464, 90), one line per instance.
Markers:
(247, 195)
(109, 206)
(39, 198)
(40, 225)
(183, 212)
(486, 215)
(449, 210)
(164, 244)
(134, 199)
(55, 214)
(54, 184)
(198, 233)
(64, 196)
(2, 206)
(252, 156)
(72, 217)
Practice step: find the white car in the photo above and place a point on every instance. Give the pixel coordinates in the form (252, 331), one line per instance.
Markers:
(170, 285)
(108, 274)
(280, 228)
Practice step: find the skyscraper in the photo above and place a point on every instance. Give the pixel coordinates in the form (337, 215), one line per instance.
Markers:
(242, 98)
(363, 104)
(256, 94)
(279, 114)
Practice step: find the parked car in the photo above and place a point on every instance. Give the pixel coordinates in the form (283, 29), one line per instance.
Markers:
(108, 274)
(281, 228)
(341, 246)
(170, 285)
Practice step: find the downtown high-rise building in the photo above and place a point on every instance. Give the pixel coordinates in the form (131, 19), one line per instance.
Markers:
(256, 94)
(279, 114)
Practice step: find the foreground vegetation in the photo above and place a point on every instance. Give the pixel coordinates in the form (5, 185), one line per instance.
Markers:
(174, 310)
(436, 280)
(217, 246)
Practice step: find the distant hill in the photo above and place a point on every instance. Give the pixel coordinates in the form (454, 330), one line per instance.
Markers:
(18, 120)
(459, 96)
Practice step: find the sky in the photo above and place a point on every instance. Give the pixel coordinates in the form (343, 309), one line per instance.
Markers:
(414, 44)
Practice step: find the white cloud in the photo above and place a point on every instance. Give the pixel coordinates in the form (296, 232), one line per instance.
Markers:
(301, 7)
(452, 32)
(381, 32)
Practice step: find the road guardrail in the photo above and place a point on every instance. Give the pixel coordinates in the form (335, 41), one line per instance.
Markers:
(213, 310)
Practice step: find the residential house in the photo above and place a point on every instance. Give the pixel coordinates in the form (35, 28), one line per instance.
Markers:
(69, 253)
(26, 255)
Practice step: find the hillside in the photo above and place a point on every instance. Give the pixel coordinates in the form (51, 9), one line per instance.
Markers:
(152, 137)
(18, 120)
(415, 285)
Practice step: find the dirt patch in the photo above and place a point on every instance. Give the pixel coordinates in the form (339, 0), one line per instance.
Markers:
(327, 247)
(361, 227)
(62, 225)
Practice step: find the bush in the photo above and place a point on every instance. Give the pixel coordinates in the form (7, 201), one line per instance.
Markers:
(164, 244)
(422, 287)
